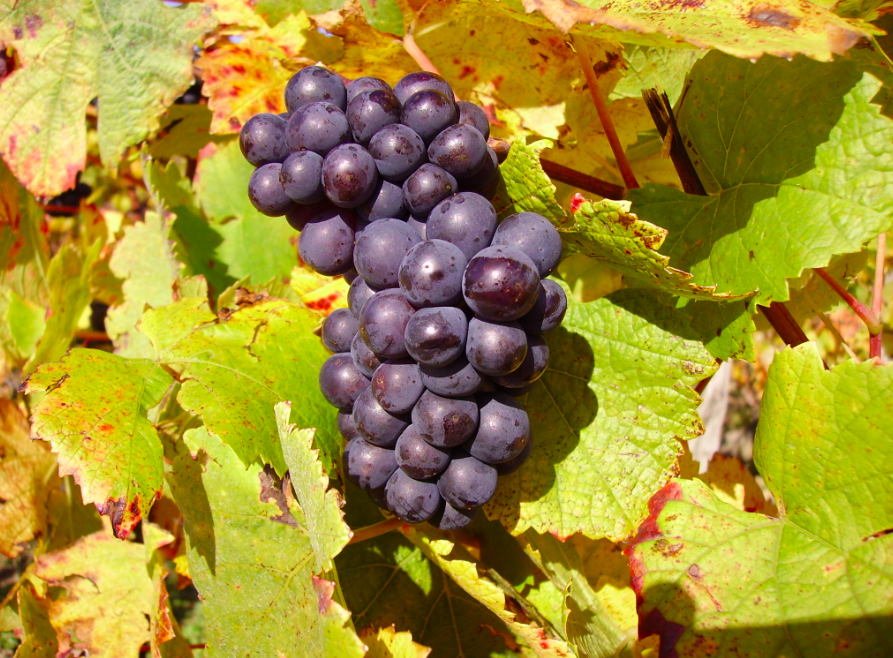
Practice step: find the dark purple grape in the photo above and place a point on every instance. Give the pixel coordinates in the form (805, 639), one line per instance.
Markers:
(386, 202)
(485, 181)
(317, 127)
(466, 220)
(301, 177)
(531, 368)
(495, 348)
(262, 139)
(349, 276)
(411, 500)
(358, 294)
(418, 225)
(358, 86)
(370, 112)
(445, 422)
(501, 283)
(535, 236)
(339, 329)
(398, 151)
(456, 380)
(314, 84)
(368, 466)
(340, 381)
(326, 242)
(428, 112)
(514, 464)
(377, 425)
(397, 385)
(451, 518)
(383, 322)
(298, 215)
(460, 150)
(417, 81)
(548, 311)
(472, 115)
(503, 429)
(467, 482)
(363, 358)
(346, 426)
(436, 336)
(380, 250)
(265, 191)
(514, 392)
(426, 187)
(431, 274)
(417, 457)
(349, 176)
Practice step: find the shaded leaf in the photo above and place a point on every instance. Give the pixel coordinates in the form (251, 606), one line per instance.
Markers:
(136, 58)
(187, 129)
(94, 415)
(39, 639)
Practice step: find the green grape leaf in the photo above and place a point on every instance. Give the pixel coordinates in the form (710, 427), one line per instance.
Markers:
(817, 580)
(527, 185)
(794, 156)
(221, 183)
(235, 369)
(649, 68)
(321, 506)
(94, 415)
(384, 15)
(24, 254)
(251, 559)
(144, 261)
(135, 58)
(605, 417)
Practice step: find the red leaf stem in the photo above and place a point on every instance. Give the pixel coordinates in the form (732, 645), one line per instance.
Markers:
(375, 530)
(592, 184)
(877, 300)
(869, 318)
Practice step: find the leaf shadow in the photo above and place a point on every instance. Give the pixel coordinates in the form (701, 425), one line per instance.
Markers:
(189, 493)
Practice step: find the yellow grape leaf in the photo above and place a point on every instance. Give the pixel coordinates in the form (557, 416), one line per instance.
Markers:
(317, 292)
(388, 643)
(734, 484)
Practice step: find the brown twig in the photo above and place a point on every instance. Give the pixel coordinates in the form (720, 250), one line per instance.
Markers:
(582, 181)
(784, 323)
(375, 530)
(629, 179)
(89, 336)
(877, 300)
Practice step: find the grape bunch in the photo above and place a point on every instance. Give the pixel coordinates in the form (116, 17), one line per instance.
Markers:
(447, 306)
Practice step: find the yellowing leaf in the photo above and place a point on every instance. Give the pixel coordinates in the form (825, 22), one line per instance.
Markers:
(319, 293)
(734, 484)
(388, 643)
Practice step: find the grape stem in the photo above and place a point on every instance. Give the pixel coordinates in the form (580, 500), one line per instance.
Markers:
(865, 313)
(582, 181)
(375, 530)
(601, 107)
(877, 300)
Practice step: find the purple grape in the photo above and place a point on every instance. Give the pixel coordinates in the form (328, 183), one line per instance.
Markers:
(262, 139)
(456, 380)
(513, 465)
(314, 84)
(531, 368)
(428, 112)
(460, 150)
(485, 181)
(548, 311)
(417, 81)
(349, 176)
(380, 250)
(339, 329)
(350, 276)
(326, 242)
(346, 426)
(501, 283)
(386, 202)
(418, 225)
(466, 220)
(397, 385)
(436, 336)
(426, 187)
(398, 151)
(503, 429)
(377, 425)
(445, 422)
(298, 215)
(358, 86)
(363, 358)
(411, 500)
(368, 466)
(431, 274)
(467, 482)
(358, 294)
(535, 236)
(383, 322)
(340, 381)
(265, 191)
(472, 115)
(495, 348)
(370, 112)
(417, 457)
(317, 127)
(300, 177)
(450, 518)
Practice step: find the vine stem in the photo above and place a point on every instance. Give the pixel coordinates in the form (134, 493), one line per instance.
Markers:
(375, 530)
(629, 179)
(865, 313)
(877, 301)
